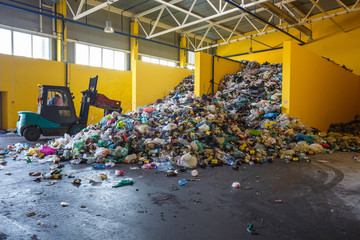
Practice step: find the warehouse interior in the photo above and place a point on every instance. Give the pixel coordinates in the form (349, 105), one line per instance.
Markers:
(148, 56)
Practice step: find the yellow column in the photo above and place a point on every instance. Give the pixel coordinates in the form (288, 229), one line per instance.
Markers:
(134, 42)
(285, 107)
(134, 49)
(203, 73)
(61, 52)
(182, 52)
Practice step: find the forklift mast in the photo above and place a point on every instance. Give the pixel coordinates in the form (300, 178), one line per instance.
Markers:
(92, 98)
(88, 96)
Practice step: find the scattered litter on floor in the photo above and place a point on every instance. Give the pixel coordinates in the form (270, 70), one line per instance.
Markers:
(30, 214)
(322, 161)
(76, 181)
(119, 173)
(51, 183)
(124, 182)
(251, 229)
(236, 185)
(194, 173)
(182, 182)
(64, 204)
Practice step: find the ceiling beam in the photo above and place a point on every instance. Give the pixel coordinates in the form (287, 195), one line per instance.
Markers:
(145, 20)
(94, 9)
(80, 7)
(275, 30)
(232, 18)
(154, 9)
(200, 18)
(325, 13)
(284, 16)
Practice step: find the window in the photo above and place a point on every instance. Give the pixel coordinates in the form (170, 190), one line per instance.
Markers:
(145, 59)
(22, 44)
(82, 54)
(57, 98)
(191, 58)
(99, 57)
(158, 61)
(108, 58)
(191, 67)
(171, 64)
(5, 41)
(155, 60)
(95, 56)
(163, 62)
(41, 47)
(119, 60)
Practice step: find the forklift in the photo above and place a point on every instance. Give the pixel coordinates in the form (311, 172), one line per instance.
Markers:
(56, 112)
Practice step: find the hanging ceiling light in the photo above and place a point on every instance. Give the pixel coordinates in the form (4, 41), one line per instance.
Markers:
(108, 27)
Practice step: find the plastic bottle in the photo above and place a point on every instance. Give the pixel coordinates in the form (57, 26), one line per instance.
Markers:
(182, 182)
(97, 165)
(163, 166)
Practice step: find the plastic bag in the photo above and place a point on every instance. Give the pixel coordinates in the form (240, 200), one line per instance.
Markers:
(187, 161)
(316, 148)
(130, 158)
(101, 152)
(204, 128)
(120, 152)
(301, 146)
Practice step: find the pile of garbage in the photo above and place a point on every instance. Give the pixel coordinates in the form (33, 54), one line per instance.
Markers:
(343, 66)
(241, 124)
(352, 127)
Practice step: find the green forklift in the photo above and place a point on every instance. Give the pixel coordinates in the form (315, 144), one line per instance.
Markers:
(56, 111)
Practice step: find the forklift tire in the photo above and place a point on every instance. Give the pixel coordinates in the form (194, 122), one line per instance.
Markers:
(31, 133)
(74, 129)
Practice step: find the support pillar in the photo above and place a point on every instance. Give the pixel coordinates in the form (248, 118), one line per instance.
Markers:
(182, 54)
(134, 49)
(61, 33)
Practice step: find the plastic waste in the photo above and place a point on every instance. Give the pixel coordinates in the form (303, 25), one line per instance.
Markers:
(316, 148)
(47, 150)
(124, 182)
(187, 161)
(98, 166)
(194, 173)
(182, 182)
(163, 166)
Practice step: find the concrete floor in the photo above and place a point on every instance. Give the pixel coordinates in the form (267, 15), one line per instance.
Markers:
(320, 200)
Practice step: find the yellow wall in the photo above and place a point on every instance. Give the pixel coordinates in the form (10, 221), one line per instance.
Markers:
(112, 83)
(274, 56)
(329, 41)
(19, 77)
(317, 91)
(203, 72)
(154, 81)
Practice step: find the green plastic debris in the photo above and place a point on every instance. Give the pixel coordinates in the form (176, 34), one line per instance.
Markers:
(79, 145)
(251, 230)
(255, 132)
(95, 138)
(124, 183)
(199, 145)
